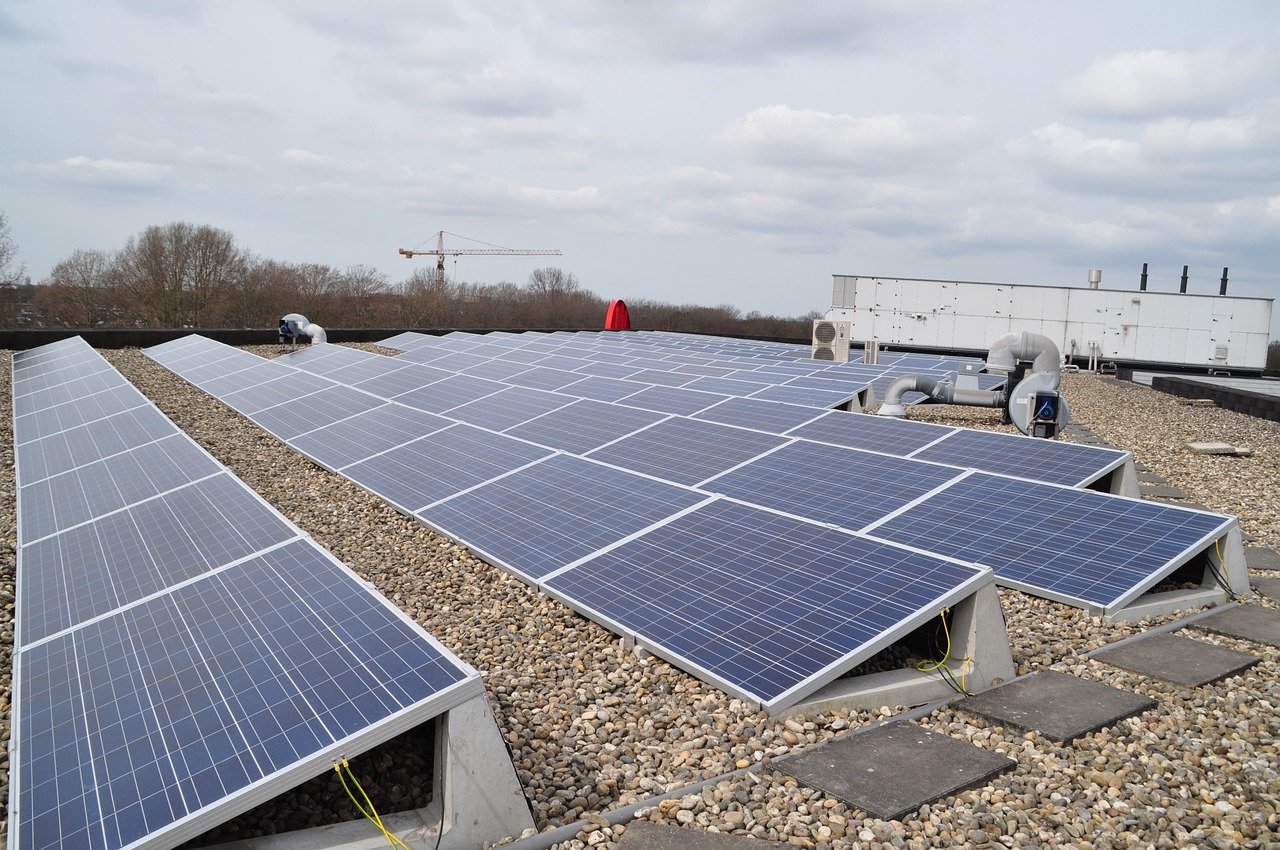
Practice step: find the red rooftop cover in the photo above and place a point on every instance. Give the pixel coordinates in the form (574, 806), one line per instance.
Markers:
(617, 319)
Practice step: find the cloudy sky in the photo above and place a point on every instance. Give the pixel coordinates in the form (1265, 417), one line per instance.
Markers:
(722, 151)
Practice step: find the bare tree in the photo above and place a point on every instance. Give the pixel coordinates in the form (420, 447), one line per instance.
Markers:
(12, 273)
(79, 291)
(359, 288)
(175, 272)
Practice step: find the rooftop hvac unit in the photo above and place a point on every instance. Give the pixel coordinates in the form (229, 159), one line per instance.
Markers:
(831, 340)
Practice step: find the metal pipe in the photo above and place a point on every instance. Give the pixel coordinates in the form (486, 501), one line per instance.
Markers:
(1009, 349)
(1183, 288)
(1142, 281)
(936, 390)
(1222, 290)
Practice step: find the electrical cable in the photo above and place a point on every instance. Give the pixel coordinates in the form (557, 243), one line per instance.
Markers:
(941, 666)
(1221, 575)
(371, 813)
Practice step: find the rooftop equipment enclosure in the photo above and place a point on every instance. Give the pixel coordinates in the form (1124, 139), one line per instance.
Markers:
(1131, 326)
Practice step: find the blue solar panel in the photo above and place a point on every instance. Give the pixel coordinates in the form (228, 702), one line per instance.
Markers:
(289, 387)
(601, 389)
(1027, 457)
(183, 652)
(392, 384)
(448, 393)
(772, 417)
(509, 407)
(671, 400)
(843, 487)
(686, 451)
(1078, 546)
(441, 465)
(325, 407)
(805, 395)
(584, 425)
(544, 378)
(73, 414)
(261, 670)
(872, 433)
(769, 607)
(66, 450)
(554, 512)
(114, 561)
(98, 488)
(373, 367)
(367, 434)
(323, 358)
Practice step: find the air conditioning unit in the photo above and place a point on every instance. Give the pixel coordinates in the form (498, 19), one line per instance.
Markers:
(831, 340)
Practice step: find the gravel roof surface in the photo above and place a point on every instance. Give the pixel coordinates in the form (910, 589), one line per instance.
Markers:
(592, 728)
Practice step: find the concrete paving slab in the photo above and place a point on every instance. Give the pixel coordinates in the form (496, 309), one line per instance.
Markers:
(1058, 705)
(1261, 558)
(1247, 622)
(644, 835)
(1268, 586)
(1151, 478)
(892, 770)
(1139, 466)
(1161, 491)
(1180, 660)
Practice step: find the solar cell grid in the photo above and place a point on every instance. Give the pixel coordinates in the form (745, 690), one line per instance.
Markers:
(65, 450)
(65, 416)
(448, 393)
(686, 451)
(872, 433)
(323, 358)
(322, 408)
(843, 487)
(116, 560)
(400, 381)
(1009, 454)
(447, 462)
(601, 389)
(671, 399)
(544, 378)
(771, 607)
(508, 407)
(554, 512)
(373, 366)
(73, 390)
(805, 396)
(584, 425)
(1078, 546)
(367, 434)
(772, 417)
(497, 369)
(290, 386)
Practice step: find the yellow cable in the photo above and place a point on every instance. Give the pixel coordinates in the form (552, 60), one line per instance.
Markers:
(930, 666)
(371, 814)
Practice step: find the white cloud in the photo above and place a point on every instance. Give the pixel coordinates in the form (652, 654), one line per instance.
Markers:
(809, 139)
(1156, 83)
(109, 176)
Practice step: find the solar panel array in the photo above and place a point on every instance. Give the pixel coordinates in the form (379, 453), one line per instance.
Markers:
(540, 511)
(554, 486)
(183, 651)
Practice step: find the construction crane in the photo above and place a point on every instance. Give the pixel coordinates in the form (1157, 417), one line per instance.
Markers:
(441, 252)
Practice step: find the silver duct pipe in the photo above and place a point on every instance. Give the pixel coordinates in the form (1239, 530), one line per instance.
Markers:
(1040, 350)
(936, 390)
(296, 323)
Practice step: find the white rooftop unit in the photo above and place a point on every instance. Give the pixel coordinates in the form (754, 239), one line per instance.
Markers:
(1130, 326)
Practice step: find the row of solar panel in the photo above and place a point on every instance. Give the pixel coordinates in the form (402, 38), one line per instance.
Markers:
(848, 487)
(553, 518)
(183, 651)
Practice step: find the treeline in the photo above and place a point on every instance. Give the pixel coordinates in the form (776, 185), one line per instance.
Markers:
(184, 275)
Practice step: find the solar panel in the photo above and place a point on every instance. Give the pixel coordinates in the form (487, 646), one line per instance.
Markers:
(321, 408)
(544, 378)
(843, 487)
(441, 465)
(290, 386)
(367, 434)
(509, 407)
(374, 366)
(686, 451)
(584, 425)
(63, 417)
(554, 512)
(1028, 457)
(321, 358)
(183, 652)
(601, 389)
(872, 433)
(122, 557)
(671, 400)
(449, 393)
(1078, 546)
(805, 395)
(768, 607)
(410, 377)
(65, 450)
(773, 417)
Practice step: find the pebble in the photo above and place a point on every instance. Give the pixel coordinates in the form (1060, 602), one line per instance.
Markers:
(593, 728)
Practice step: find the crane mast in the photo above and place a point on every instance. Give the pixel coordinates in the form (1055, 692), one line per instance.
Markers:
(441, 252)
